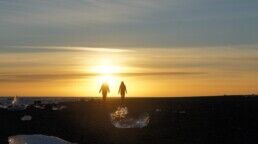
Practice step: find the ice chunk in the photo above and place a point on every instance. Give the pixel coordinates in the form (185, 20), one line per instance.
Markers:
(120, 113)
(17, 105)
(15, 101)
(26, 118)
(158, 110)
(36, 139)
(59, 107)
(182, 112)
(120, 119)
(3, 106)
(39, 106)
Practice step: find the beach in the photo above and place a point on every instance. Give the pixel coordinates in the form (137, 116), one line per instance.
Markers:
(195, 120)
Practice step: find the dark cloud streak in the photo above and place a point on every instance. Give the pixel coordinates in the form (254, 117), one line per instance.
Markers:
(4, 77)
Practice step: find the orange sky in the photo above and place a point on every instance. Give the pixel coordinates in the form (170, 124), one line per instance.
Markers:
(79, 71)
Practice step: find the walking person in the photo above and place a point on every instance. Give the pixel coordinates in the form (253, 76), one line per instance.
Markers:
(105, 90)
(122, 91)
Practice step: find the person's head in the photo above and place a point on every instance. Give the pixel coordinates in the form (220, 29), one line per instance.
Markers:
(105, 83)
(122, 83)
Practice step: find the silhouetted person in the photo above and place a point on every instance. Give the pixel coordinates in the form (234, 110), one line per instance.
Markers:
(122, 91)
(104, 89)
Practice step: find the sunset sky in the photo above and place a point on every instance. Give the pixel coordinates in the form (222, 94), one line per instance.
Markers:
(158, 47)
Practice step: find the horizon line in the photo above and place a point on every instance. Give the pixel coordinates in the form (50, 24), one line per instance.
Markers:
(186, 96)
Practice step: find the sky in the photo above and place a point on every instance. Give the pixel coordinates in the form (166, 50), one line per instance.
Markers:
(158, 47)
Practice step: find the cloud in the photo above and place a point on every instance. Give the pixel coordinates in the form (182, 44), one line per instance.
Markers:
(4, 77)
(128, 23)
(24, 49)
(75, 12)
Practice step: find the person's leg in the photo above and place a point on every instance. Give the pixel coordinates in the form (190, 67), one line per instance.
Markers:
(104, 96)
(122, 98)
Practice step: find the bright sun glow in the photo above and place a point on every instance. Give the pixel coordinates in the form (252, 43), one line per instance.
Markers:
(107, 73)
(111, 80)
(106, 69)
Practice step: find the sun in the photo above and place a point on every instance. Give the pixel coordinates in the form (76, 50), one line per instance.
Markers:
(111, 80)
(107, 73)
(106, 69)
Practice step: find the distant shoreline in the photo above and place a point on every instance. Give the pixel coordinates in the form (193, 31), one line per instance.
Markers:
(132, 97)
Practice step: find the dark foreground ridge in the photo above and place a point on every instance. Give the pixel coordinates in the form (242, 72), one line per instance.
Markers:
(213, 120)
